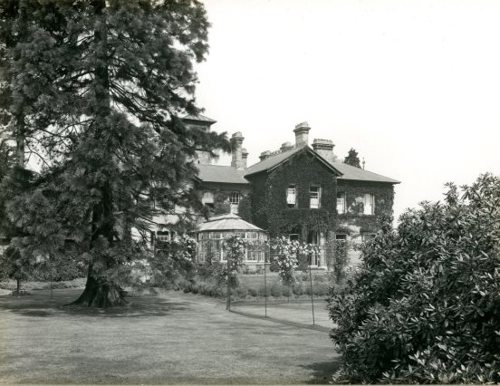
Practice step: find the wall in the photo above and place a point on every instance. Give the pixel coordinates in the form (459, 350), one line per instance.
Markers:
(354, 224)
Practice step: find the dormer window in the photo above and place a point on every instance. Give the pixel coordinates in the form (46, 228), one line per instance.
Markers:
(291, 196)
(314, 196)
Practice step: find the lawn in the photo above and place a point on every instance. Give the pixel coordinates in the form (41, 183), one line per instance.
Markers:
(169, 338)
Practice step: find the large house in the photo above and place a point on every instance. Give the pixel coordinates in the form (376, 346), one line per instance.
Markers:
(300, 191)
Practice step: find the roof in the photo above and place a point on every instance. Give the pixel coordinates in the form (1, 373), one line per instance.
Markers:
(227, 222)
(346, 172)
(353, 173)
(199, 118)
(224, 174)
(275, 160)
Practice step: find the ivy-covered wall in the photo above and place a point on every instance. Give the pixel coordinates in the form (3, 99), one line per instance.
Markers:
(354, 221)
(269, 205)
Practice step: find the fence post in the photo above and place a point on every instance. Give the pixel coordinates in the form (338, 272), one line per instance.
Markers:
(265, 285)
(312, 293)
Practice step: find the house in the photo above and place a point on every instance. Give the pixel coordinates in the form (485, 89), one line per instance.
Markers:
(302, 191)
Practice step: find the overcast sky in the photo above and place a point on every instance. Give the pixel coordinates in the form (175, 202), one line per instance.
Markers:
(413, 86)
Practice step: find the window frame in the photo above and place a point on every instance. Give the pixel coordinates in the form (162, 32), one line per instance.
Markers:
(371, 199)
(295, 204)
(344, 203)
(318, 186)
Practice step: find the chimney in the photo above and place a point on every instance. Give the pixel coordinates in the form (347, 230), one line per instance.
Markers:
(236, 150)
(286, 146)
(324, 147)
(264, 155)
(244, 158)
(302, 134)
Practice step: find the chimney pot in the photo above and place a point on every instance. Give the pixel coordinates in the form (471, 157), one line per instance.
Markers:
(302, 134)
(324, 147)
(244, 157)
(236, 150)
(286, 146)
(264, 155)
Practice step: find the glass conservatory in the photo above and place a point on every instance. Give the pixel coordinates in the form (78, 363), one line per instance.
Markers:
(210, 236)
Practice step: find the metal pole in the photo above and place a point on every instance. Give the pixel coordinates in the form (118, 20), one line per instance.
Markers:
(265, 287)
(312, 295)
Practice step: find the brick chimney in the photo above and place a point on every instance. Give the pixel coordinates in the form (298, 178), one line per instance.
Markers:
(264, 155)
(302, 134)
(324, 147)
(236, 150)
(244, 158)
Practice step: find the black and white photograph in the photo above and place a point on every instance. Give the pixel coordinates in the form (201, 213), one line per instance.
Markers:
(244, 192)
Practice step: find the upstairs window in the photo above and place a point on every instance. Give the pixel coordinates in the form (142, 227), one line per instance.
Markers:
(341, 202)
(314, 196)
(207, 198)
(234, 200)
(291, 196)
(369, 204)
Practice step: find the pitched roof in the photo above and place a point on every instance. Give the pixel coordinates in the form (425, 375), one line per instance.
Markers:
(218, 173)
(275, 160)
(227, 222)
(353, 173)
(346, 172)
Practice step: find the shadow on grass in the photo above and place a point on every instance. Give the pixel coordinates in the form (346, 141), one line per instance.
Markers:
(40, 304)
(322, 371)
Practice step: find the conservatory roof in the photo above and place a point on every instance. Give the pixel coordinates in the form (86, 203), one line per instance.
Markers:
(227, 222)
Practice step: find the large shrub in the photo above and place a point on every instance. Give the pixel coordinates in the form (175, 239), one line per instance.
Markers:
(424, 307)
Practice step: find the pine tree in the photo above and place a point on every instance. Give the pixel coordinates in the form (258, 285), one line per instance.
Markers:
(106, 83)
(352, 158)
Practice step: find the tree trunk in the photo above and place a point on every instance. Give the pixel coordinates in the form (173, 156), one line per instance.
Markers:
(99, 293)
(18, 287)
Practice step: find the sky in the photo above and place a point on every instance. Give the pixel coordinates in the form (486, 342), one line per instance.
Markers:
(413, 86)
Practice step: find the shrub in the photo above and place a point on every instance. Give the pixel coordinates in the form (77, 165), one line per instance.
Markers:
(424, 306)
(252, 292)
(276, 290)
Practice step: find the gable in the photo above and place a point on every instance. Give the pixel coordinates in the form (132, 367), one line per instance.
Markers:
(279, 159)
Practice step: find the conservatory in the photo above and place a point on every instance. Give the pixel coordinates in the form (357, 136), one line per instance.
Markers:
(210, 236)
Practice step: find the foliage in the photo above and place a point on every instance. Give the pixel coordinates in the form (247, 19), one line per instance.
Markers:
(285, 255)
(340, 261)
(245, 209)
(102, 87)
(352, 158)
(172, 261)
(234, 252)
(15, 266)
(424, 306)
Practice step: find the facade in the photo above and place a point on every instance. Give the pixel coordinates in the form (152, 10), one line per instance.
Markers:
(303, 192)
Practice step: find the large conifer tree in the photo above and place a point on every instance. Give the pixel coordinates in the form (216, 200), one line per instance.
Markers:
(103, 84)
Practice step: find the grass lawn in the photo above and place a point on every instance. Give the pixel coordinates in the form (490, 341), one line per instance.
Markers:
(169, 338)
(295, 312)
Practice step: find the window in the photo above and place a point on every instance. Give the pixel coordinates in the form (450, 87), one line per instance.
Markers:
(234, 200)
(163, 236)
(369, 204)
(367, 236)
(340, 202)
(293, 236)
(291, 196)
(340, 237)
(314, 196)
(208, 198)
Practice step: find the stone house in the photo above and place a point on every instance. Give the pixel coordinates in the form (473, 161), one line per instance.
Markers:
(300, 191)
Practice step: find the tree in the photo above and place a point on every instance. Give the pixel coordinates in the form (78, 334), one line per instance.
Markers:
(424, 306)
(352, 158)
(105, 84)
